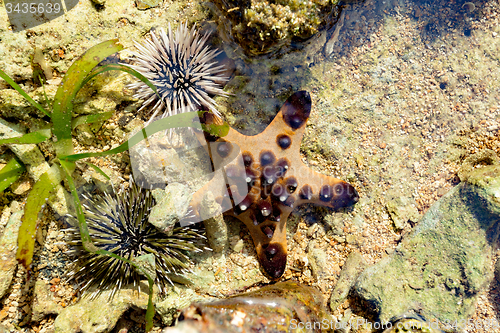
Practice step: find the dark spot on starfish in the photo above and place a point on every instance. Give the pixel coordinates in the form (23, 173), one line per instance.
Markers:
(247, 159)
(280, 195)
(224, 149)
(284, 141)
(291, 184)
(277, 191)
(266, 158)
(269, 175)
(282, 167)
(326, 193)
(268, 231)
(297, 109)
(273, 260)
(289, 201)
(243, 205)
(306, 192)
(265, 209)
(345, 195)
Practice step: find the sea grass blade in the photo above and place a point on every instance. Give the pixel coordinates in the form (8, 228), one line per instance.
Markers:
(71, 84)
(33, 137)
(37, 197)
(91, 118)
(10, 173)
(187, 119)
(25, 95)
(123, 68)
(90, 247)
(96, 168)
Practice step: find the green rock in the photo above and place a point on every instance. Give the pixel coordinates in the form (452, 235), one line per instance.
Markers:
(486, 183)
(146, 264)
(442, 266)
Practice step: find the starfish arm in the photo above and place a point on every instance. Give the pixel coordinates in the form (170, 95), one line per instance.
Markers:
(306, 185)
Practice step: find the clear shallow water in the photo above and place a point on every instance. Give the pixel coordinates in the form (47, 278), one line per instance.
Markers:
(410, 91)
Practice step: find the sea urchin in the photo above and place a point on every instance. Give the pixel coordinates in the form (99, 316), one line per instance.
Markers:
(183, 69)
(118, 222)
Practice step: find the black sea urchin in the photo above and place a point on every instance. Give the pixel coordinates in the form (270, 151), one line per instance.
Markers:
(118, 222)
(183, 70)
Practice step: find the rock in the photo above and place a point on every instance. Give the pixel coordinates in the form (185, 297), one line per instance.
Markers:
(171, 206)
(8, 249)
(282, 307)
(101, 182)
(177, 298)
(216, 228)
(238, 245)
(353, 266)
(146, 4)
(99, 2)
(486, 184)
(100, 314)
(44, 303)
(156, 163)
(401, 210)
(84, 134)
(317, 261)
(439, 270)
(267, 27)
(20, 187)
(485, 156)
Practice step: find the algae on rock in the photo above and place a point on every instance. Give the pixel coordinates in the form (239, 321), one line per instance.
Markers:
(263, 27)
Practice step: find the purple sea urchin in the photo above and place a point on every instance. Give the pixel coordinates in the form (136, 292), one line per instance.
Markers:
(183, 69)
(118, 223)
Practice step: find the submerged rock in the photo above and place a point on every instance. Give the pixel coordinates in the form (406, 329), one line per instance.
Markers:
(172, 205)
(353, 266)
(440, 269)
(262, 27)
(44, 302)
(99, 314)
(401, 210)
(211, 213)
(282, 307)
(8, 248)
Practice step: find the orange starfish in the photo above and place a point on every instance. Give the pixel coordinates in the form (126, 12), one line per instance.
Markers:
(264, 180)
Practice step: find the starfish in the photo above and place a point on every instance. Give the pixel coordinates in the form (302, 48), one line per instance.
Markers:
(264, 179)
